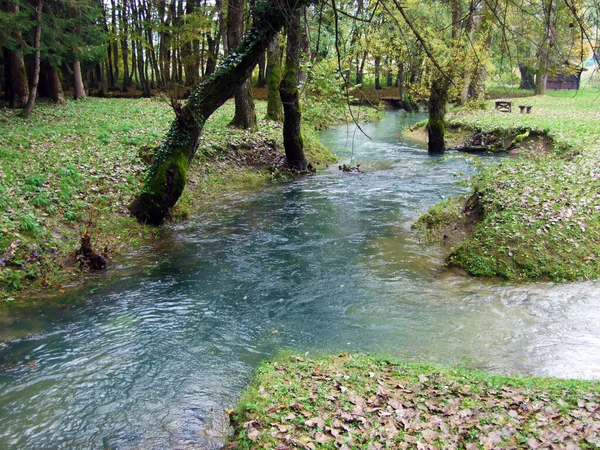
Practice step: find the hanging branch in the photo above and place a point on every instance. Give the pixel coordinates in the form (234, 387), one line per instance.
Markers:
(339, 58)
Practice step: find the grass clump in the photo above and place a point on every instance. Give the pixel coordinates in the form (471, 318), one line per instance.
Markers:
(434, 224)
(366, 402)
(540, 211)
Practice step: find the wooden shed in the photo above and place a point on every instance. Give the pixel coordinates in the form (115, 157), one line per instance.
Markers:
(566, 79)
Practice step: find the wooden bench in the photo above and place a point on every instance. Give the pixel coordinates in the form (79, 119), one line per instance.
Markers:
(524, 108)
(504, 105)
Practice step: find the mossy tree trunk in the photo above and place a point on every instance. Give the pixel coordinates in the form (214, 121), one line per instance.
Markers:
(245, 115)
(55, 92)
(290, 97)
(274, 106)
(167, 176)
(438, 97)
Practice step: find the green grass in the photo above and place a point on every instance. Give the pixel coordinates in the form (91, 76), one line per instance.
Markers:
(541, 211)
(369, 402)
(75, 167)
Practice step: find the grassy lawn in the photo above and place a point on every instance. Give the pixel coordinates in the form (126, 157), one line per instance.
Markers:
(75, 168)
(541, 211)
(371, 403)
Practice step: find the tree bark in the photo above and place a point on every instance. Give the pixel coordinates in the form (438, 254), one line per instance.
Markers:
(166, 177)
(436, 125)
(378, 72)
(78, 87)
(35, 77)
(245, 116)
(262, 80)
(541, 75)
(15, 74)
(274, 106)
(125, 47)
(54, 85)
(290, 97)
(213, 43)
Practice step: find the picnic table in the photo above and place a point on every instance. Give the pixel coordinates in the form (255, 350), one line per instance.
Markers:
(504, 105)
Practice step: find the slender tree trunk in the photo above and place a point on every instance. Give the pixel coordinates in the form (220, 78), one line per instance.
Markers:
(189, 56)
(78, 87)
(125, 47)
(15, 74)
(290, 97)
(35, 77)
(389, 82)
(136, 16)
(274, 106)
(541, 76)
(436, 126)
(115, 41)
(245, 116)
(262, 80)
(468, 75)
(166, 177)
(134, 71)
(378, 72)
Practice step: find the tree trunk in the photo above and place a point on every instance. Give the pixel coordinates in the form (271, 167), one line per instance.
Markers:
(54, 85)
(436, 126)
(78, 88)
(389, 82)
(166, 177)
(15, 74)
(290, 97)
(262, 81)
(544, 50)
(527, 77)
(125, 48)
(377, 72)
(274, 106)
(35, 77)
(245, 116)
(115, 41)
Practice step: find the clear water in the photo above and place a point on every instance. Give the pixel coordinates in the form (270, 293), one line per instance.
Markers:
(324, 264)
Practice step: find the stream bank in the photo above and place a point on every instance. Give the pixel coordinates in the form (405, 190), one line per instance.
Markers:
(358, 401)
(321, 265)
(58, 189)
(537, 213)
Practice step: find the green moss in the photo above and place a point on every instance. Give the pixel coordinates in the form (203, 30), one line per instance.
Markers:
(445, 214)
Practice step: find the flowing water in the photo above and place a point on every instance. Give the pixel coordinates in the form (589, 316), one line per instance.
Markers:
(323, 264)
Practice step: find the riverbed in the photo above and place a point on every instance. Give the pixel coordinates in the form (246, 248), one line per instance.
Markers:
(323, 264)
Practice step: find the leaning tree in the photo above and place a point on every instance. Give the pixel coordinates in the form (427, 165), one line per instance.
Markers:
(167, 175)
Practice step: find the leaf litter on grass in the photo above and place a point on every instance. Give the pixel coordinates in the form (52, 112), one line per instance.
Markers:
(359, 402)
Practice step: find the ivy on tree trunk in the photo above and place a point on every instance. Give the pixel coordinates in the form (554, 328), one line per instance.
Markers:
(290, 97)
(167, 176)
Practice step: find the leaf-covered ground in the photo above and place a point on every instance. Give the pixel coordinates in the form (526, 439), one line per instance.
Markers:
(349, 402)
(541, 210)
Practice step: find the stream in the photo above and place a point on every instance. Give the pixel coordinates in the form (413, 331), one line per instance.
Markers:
(327, 263)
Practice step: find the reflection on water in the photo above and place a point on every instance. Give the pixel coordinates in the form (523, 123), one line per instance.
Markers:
(323, 264)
